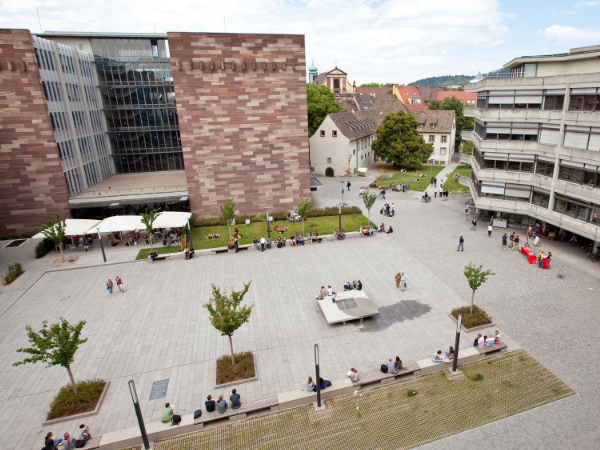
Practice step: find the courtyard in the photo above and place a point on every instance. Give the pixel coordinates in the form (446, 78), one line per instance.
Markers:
(158, 330)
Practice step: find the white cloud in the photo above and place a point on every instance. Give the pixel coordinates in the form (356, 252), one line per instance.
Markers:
(562, 13)
(393, 40)
(587, 4)
(565, 34)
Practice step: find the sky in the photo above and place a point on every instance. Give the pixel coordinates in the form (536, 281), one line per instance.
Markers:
(393, 41)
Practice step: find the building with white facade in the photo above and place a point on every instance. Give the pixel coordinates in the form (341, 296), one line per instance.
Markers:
(342, 143)
(438, 128)
(536, 152)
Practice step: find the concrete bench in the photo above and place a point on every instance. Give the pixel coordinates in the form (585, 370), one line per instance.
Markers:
(317, 239)
(159, 257)
(244, 247)
(261, 404)
(385, 378)
(492, 349)
(293, 399)
(220, 250)
(93, 442)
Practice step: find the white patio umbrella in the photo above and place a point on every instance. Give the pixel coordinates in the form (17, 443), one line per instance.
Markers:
(172, 219)
(74, 227)
(117, 223)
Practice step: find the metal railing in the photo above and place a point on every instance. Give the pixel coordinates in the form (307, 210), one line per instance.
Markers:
(131, 191)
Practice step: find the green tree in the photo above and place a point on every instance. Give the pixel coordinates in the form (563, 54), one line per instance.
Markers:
(55, 231)
(462, 122)
(304, 206)
(228, 214)
(369, 200)
(148, 219)
(399, 142)
(226, 315)
(320, 103)
(377, 85)
(55, 345)
(476, 276)
(467, 147)
(435, 105)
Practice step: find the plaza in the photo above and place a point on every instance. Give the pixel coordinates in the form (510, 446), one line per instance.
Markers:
(159, 329)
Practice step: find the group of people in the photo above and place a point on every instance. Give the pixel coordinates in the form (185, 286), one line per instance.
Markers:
(438, 358)
(487, 341)
(392, 366)
(323, 384)
(329, 292)
(400, 280)
(339, 235)
(262, 244)
(382, 193)
(67, 442)
(110, 285)
(381, 228)
(388, 210)
(212, 236)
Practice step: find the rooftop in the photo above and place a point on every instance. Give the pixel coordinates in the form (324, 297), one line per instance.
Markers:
(443, 120)
(574, 53)
(101, 35)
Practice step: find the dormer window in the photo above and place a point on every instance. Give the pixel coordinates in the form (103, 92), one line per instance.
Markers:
(433, 125)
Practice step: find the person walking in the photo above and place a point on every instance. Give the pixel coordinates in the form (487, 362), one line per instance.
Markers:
(109, 286)
(383, 193)
(403, 187)
(441, 192)
(515, 243)
(120, 284)
(461, 244)
(467, 211)
(512, 240)
(397, 278)
(402, 281)
(393, 212)
(474, 222)
(504, 240)
(490, 231)
(434, 193)
(348, 186)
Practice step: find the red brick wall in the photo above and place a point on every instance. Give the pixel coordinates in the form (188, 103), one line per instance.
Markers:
(31, 178)
(243, 126)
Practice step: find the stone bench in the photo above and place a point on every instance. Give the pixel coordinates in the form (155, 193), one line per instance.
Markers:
(293, 399)
(93, 442)
(244, 247)
(466, 355)
(385, 378)
(492, 349)
(220, 250)
(262, 404)
(159, 257)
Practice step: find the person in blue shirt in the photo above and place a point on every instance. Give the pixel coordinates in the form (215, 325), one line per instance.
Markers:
(235, 399)
(324, 383)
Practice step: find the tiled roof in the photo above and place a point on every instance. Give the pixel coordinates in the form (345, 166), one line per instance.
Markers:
(409, 92)
(428, 93)
(365, 123)
(461, 95)
(350, 105)
(443, 120)
(416, 107)
(373, 90)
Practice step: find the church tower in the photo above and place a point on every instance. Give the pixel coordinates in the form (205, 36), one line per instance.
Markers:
(312, 72)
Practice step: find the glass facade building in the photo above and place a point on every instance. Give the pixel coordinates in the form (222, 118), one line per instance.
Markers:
(136, 84)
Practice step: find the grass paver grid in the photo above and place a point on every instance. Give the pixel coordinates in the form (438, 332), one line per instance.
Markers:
(491, 389)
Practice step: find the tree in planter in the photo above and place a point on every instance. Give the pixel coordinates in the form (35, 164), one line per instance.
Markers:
(369, 199)
(148, 219)
(304, 206)
(399, 142)
(226, 315)
(55, 232)
(476, 276)
(228, 214)
(55, 345)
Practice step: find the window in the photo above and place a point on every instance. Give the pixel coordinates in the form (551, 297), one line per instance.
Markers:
(571, 174)
(544, 168)
(541, 199)
(442, 151)
(322, 133)
(154, 44)
(554, 102)
(334, 133)
(431, 138)
(432, 125)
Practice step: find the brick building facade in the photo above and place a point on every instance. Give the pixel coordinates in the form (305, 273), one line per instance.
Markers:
(241, 102)
(31, 177)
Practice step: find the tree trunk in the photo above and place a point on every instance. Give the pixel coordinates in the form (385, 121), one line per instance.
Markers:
(61, 252)
(151, 236)
(369, 215)
(72, 381)
(472, 297)
(231, 349)
(230, 235)
(302, 225)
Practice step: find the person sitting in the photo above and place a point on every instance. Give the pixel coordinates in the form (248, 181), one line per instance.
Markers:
(235, 400)
(398, 364)
(285, 229)
(358, 286)
(187, 252)
(391, 366)
(310, 386)
(300, 239)
(381, 228)
(390, 230)
(450, 353)
(209, 237)
(322, 293)
(342, 234)
(269, 242)
(334, 297)
(279, 242)
(153, 255)
(324, 383)
(309, 235)
(216, 236)
(210, 404)
(481, 341)
(437, 357)
(497, 337)
(68, 442)
(51, 443)
(236, 232)
(293, 240)
(353, 375)
(490, 340)
(476, 341)
(221, 405)
(255, 242)
(412, 180)
(276, 228)
(85, 432)
(167, 413)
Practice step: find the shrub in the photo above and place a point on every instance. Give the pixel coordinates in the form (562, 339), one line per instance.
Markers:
(13, 272)
(43, 248)
(9, 237)
(66, 404)
(479, 316)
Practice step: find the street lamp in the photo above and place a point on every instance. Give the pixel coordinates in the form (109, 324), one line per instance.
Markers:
(318, 378)
(268, 227)
(456, 342)
(138, 413)
(190, 233)
(101, 245)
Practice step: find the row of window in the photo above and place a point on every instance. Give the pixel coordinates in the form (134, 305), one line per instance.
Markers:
(45, 59)
(140, 96)
(134, 73)
(73, 92)
(581, 99)
(51, 90)
(443, 139)
(153, 162)
(67, 63)
(86, 68)
(145, 141)
(129, 49)
(142, 118)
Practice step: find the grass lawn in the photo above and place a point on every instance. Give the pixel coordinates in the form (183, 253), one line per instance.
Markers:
(401, 415)
(453, 186)
(399, 177)
(324, 225)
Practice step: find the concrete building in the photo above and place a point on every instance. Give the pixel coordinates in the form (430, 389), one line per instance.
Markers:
(92, 126)
(438, 128)
(342, 143)
(536, 143)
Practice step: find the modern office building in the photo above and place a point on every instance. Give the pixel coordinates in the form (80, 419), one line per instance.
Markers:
(536, 152)
(177, 120)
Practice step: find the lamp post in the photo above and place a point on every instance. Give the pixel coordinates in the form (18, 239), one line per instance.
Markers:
(190, 233)
(138, 413)
(456, 342)
(268, 227)
(340, 213)
(101, 245)
(318, 378)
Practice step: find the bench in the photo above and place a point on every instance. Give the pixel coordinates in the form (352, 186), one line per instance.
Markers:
(93, 442)
(220, 250)
(159, 257)
(318, 239)
(385, 378)
(493, 348)
(244, 247)
(261, 404)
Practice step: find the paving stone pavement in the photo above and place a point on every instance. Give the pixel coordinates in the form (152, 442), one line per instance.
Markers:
(159, 330)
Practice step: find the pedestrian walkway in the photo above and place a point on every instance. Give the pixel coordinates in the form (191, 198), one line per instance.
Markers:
(441, 176)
